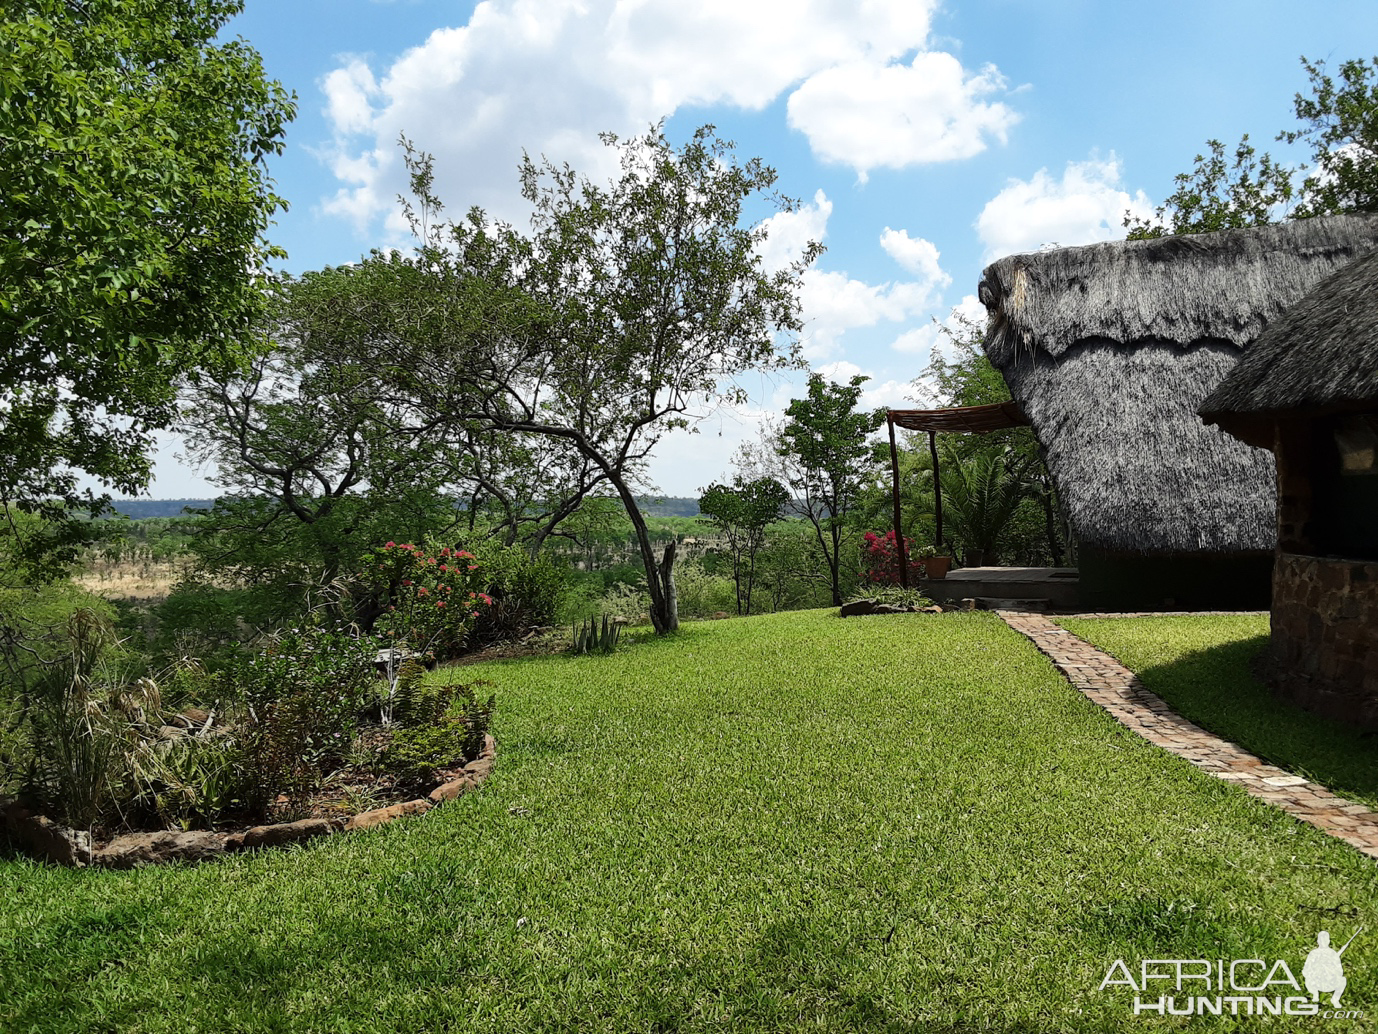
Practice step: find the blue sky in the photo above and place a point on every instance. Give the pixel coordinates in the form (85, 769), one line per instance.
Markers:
(925, 138)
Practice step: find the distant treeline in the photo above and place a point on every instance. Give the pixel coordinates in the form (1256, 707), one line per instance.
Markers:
(140, 508)
(674, 506)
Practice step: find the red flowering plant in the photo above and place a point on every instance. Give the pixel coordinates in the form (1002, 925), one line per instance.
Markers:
(430, 599)
(430, 602)
(883, 562)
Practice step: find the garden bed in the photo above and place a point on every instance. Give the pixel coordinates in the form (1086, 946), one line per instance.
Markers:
(326, 812)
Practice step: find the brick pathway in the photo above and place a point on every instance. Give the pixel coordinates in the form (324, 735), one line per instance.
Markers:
(1111, 685)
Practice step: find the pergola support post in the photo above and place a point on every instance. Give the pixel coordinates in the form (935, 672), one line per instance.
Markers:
(895, 495)
(937, 491)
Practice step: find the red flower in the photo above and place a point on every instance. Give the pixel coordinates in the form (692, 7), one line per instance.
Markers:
(390, 545)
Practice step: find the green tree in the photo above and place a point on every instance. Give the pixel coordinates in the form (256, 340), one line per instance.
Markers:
(981, 493)
(132, 149)
(627, 311)
(1000, 492)
(1218, 195)
(741, 511)
(317, 472)
(825, 459)
(1340, 122)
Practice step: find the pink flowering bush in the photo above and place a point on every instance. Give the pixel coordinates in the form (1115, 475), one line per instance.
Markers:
(882, 558)
(431, 599)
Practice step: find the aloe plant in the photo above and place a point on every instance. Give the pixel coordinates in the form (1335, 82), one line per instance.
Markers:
(589, 637)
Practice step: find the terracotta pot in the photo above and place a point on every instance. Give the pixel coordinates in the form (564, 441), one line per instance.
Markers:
(937, 566)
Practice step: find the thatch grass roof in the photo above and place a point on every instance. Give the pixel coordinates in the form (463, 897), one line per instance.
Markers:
(1320, 357)
(1110, 348)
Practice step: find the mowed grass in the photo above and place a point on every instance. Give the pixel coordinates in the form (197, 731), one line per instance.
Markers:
(783, 823)
(1203, 665)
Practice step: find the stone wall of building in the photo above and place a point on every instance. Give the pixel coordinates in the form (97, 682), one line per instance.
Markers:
(1325, 636)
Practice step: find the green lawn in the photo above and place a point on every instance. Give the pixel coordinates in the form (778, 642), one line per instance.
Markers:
(1202, 665)
(783, 823)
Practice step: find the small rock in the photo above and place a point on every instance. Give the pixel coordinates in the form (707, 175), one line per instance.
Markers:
(479, 769)
(286, 832)
(382, 816)
(135, 849)
(449, 791)
(42, 836)
(934, 609)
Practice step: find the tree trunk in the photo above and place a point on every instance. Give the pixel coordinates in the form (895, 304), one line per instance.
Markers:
(835, 563)
(660, 578)
(669, 595)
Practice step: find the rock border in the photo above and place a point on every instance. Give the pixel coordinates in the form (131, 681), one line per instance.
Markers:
(43, 838)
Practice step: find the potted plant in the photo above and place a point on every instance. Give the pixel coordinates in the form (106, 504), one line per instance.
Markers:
(935, 564)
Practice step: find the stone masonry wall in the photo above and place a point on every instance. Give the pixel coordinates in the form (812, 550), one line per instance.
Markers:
(1325, 636)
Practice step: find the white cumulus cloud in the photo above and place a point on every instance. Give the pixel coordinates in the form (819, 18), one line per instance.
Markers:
(834, 303)
(788, 233)
(1087, 204)
(549, 75)
(869, 115)
(916, 255)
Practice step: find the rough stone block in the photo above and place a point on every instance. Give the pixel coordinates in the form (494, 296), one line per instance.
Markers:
(382, 816)
(449, 791)
(41, 836)
(287, 832)
(135, 849)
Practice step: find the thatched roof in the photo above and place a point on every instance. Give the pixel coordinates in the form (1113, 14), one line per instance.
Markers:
(1319, 358)
(1110, 348)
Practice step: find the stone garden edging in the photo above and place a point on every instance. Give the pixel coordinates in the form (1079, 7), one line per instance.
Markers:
(42, 837)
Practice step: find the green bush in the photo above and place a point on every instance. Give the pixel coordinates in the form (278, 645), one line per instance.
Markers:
(303, 695)
(701, 594)
(79, 709)
(892, 594)
(191, 781)
(526, 593)
(199, 620)
(452, 735)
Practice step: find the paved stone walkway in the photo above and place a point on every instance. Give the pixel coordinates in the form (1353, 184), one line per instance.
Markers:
(1114, 687)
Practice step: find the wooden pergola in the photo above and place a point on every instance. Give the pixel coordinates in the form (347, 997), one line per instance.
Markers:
(965, 419)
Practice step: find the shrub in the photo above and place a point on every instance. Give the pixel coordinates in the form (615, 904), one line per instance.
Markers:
(892, 594)
(303, 694)
(525, 592)
(198, 620)
(454, 734)
(192, 780)
(702, 594)
(79, 708)
(883, 562)
(431, 599)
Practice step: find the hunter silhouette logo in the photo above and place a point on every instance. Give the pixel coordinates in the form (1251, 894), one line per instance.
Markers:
(1238, 987)
(1323, 972)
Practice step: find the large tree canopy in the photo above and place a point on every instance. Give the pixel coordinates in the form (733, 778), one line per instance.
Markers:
(132, 229)
(627, 310)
